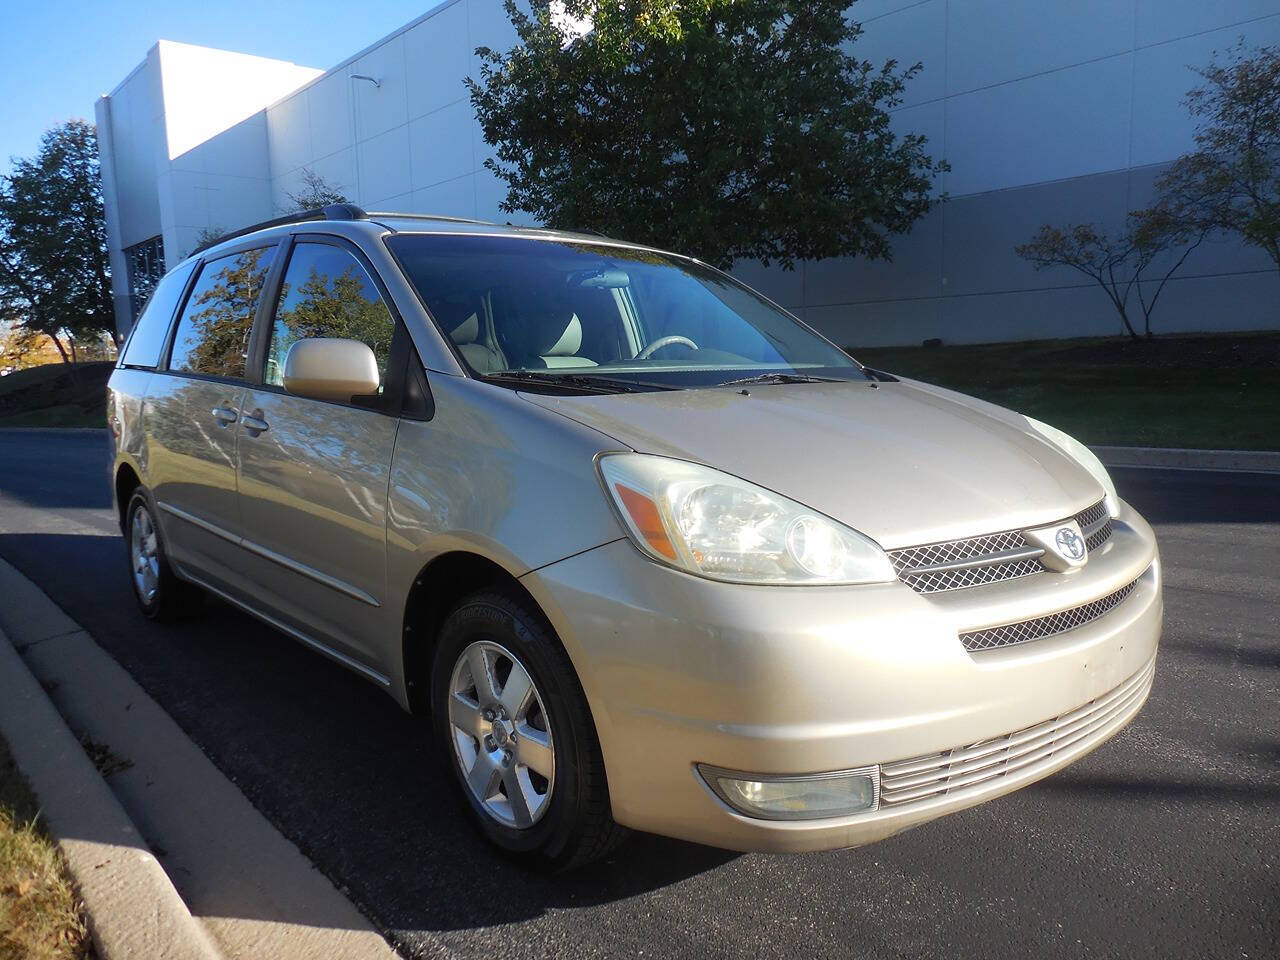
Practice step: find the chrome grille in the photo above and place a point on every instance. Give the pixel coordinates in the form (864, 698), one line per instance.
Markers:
(1092, 516)
(957, 564)
(1099, 536)
(923, 778)
(1054, 623)
(973, 576)
(957, 550)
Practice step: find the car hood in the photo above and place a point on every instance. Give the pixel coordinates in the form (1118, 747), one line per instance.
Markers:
(903, 462)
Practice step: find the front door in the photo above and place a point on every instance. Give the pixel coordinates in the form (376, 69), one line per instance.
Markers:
(191, 417)
(313, 474)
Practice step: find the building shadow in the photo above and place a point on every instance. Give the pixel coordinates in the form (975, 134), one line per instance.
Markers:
(47, 468)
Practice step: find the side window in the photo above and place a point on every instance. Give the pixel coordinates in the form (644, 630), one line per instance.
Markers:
(327, 293)
(213, 332)
(146, 342)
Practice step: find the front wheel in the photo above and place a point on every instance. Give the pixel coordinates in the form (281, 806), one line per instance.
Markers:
(159, 592)
(513, 725)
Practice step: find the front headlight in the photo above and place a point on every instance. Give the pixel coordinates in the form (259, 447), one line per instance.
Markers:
(698, 519)
(1082, 455)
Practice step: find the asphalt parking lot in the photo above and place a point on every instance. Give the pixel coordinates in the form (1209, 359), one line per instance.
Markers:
(1164, 843)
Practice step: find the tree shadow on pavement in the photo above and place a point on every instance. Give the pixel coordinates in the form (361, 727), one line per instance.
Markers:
(1192, 496)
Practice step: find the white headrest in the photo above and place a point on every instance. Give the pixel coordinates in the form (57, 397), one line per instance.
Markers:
(569, 342)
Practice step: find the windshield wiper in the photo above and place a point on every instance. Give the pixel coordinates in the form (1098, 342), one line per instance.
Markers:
(587, 381)
(779, 378)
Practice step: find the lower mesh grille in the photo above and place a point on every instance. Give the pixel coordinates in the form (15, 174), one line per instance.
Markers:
(936, 774)
(1047, 626)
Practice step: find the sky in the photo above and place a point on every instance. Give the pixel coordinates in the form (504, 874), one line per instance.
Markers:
(58, 56)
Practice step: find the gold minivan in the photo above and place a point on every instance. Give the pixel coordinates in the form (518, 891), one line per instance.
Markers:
(648, 551)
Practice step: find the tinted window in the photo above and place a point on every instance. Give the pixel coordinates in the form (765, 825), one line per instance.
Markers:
(327, 293)
(147, 340)
(213, 333)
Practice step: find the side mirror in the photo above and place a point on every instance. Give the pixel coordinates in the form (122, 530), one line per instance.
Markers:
(326, 368)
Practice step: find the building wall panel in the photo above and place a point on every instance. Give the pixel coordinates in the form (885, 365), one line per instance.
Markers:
(385, 106)
(991, 42)
(437, 59)
(441, 145)
(1047, 112)
(1068, 123)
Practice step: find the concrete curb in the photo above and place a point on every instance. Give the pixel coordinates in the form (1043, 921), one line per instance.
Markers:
(1175, 458)
(134, 909)
(251, 892)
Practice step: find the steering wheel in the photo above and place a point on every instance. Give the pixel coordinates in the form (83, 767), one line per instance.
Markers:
(661, 342)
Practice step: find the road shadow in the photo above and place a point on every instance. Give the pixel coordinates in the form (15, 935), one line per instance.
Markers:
(1226, 653)
(329, 759)
(47, 468)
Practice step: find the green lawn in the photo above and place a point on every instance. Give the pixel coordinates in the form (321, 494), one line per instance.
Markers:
(1219, 392)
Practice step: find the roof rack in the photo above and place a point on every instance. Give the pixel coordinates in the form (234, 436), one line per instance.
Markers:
(332, 211)
(372, 215)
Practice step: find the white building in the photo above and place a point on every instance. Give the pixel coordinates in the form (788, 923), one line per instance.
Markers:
(1047, 112)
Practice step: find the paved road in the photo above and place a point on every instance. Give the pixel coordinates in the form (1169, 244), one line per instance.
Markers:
(1163, 843)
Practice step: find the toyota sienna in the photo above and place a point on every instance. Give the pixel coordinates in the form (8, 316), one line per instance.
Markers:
(646, 550)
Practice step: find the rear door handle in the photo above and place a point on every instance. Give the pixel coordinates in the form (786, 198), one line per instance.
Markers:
(254, 424)
(224, 415)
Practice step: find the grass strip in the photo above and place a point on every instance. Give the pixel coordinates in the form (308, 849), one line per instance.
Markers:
(41, 916)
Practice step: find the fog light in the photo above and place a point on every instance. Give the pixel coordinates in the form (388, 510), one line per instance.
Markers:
(808, 797)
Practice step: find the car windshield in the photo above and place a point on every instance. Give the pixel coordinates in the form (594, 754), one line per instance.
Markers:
(579, 314)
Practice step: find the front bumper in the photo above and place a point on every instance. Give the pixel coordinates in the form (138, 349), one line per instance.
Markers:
(681, 671)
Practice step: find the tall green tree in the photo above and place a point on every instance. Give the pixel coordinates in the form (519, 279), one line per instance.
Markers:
(733, 129)
(1231, 182)
(54, 274)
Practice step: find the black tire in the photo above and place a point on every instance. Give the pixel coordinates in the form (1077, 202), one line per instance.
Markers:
(577, 826)
(173, 599)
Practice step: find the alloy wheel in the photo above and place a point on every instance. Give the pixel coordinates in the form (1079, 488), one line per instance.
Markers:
(144, 555)
(500, 734)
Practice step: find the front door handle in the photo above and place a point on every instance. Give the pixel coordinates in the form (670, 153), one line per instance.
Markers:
(254, 423)
(224, 415)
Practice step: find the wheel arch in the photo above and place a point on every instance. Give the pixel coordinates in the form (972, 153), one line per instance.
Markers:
(438, 587)
(125, 482)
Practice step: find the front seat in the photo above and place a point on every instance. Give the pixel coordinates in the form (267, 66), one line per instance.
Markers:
(462, 322)
(552, 340)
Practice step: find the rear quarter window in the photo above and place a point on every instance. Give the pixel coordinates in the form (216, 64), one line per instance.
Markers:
(146, 340)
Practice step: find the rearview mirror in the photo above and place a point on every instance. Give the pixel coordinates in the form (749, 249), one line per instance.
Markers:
(326, 368)
(610, 278)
